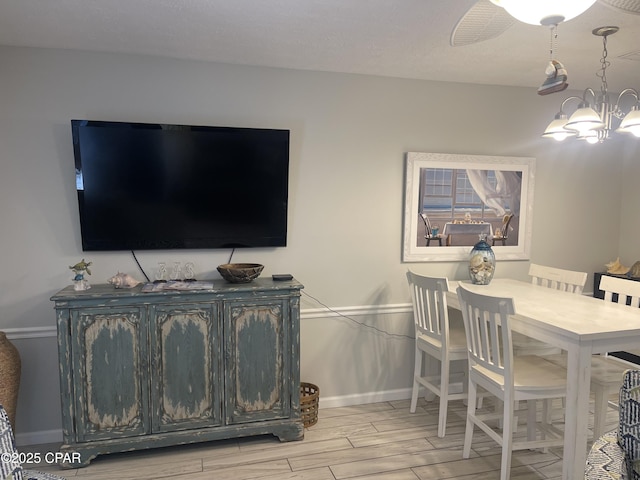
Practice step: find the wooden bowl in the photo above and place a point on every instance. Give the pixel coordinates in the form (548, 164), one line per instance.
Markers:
(240, 272)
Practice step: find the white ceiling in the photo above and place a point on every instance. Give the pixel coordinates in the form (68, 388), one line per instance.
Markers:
(399, 38)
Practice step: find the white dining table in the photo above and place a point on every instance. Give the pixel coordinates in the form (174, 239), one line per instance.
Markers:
(581, 325)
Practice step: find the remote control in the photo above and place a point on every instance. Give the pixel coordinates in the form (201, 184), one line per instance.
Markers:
(281, 277)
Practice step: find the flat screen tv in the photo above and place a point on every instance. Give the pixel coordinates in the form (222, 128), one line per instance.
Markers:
(148, 186)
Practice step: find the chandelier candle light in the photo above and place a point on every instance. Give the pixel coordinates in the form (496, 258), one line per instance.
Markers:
(595, 123)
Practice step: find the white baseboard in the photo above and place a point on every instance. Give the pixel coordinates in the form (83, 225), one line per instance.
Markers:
(363, 398)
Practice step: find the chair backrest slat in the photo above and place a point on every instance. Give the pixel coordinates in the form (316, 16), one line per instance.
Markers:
(428, 296)
(557, 278)
(488, 330)
(628, 291)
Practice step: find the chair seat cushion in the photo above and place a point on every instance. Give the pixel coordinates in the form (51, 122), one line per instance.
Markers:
(606, 459)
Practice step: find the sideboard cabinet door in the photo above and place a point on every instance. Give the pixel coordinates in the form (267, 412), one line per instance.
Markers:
(185, 373)
(258, 360)
(109, 361)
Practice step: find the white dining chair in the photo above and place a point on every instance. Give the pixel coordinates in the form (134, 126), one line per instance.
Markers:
(436, 342)
(557, 278)
(494, 367)
(606, 372)
(621, 290)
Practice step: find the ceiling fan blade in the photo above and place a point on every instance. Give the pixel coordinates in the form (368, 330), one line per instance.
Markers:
(625, 6)
(482, 22)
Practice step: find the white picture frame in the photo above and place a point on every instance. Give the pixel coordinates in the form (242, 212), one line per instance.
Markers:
(512, 191)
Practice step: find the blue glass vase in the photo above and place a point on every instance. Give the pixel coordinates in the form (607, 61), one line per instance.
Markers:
(482, 262)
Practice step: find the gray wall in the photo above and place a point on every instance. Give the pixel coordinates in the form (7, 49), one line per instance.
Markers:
(349, 136)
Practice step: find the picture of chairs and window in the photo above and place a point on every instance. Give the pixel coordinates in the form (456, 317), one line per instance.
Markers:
(457, 206)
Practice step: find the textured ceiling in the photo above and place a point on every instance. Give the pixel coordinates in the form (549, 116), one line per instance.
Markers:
(399, 38)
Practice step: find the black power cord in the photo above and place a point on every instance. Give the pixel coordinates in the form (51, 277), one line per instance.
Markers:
(361, 324)
(139, 266)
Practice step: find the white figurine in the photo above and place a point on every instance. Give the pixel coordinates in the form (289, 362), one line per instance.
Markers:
(79, 282)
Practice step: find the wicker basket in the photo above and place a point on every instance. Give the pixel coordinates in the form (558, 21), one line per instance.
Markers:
(309, 397)
(10, 368)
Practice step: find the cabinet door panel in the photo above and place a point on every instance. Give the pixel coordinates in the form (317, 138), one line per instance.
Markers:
(257, 363)
(109, 361)
(186, 366)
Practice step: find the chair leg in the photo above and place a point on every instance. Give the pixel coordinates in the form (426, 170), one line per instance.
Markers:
(507, 439)
(417, 371)
(531, 420)
(600, 412)
(498, 407)
(547, 416)
(465, 389)
(444, 398)
(432, 369)
(471, 411)
(547, 410)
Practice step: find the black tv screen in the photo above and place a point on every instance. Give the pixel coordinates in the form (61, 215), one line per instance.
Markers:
(154, 186)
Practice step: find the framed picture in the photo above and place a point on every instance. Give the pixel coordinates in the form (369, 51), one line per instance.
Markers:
(453, 200)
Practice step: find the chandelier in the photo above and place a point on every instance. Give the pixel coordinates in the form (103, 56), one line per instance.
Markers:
(594, 122)
(544, 12)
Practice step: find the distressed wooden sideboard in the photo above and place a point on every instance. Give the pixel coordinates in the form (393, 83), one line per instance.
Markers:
(141, 370)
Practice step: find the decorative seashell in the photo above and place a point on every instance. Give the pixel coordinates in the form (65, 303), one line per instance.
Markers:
(476, 261)
(616, 267)
(123, 280)
(634, 271)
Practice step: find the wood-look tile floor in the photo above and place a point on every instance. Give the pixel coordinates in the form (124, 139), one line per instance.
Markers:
(380, 441)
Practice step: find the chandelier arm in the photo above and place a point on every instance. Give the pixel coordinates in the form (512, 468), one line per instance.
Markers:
(591, 91)
(631, 91)
(572, 97)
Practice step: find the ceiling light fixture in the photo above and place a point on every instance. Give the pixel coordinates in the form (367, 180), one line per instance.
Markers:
(544, 12)
(594, 123)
